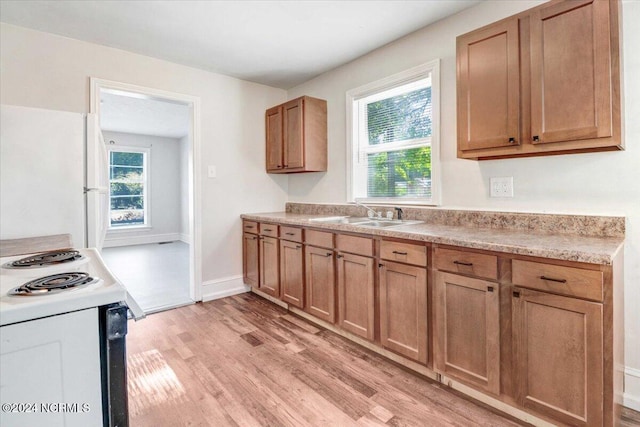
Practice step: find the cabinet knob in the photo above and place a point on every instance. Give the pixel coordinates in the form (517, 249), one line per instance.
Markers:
(536, 138)
(490, 288)
(279, 166)
(298, 247)
(339, 256)
(512, 140)
(516, 294)
(380, 265)
(329, 254)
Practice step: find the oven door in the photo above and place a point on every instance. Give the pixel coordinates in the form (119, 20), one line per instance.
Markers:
(50, 373)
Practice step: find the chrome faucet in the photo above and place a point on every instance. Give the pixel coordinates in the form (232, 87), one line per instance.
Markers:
(375, 214)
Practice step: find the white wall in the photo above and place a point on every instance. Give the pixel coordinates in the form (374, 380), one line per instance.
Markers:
(164, 185)
(49, 71)
(600, 183)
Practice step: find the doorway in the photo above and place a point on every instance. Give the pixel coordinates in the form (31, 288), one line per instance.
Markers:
(150, 218)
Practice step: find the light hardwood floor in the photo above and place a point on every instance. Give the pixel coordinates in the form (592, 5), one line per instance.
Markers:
(243, 361)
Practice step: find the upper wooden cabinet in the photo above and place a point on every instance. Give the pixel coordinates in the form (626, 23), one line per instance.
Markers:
(296, 136)
(546, 81)
(488, 87)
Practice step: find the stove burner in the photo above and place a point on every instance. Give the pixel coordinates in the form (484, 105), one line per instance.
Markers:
(46, 259)
(53, 283)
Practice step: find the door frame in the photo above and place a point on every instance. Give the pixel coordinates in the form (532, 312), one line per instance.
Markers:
(195, 224)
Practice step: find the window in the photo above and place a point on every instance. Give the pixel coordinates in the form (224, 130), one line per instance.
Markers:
(128, 187)
(394, 138)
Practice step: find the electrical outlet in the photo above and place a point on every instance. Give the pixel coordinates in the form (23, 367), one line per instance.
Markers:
(502, 186)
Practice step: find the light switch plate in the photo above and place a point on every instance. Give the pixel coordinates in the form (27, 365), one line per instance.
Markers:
(502, 186)
(211, 171)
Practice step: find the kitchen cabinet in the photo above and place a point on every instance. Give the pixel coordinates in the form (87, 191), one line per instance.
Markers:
(542, 335)
(320, 280)
(292, 267)
(320, 283)
(403, 309)
(488, 87)
(546, 81)
(467, 330)
(356, 285)
(250, 251)
(558, 348)
(296, 136)
(269, 260)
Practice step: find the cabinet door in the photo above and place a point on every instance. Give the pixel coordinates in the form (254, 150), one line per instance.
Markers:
(571, 72)
(558, 356)
(294, 134)
(320, 275)
(488, 87)
(291, 268)
(269, 266)
(250, 259)
(467, 343)
(403, 309)
(355, 294)
(273, 118)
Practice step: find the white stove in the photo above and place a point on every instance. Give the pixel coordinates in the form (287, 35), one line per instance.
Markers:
(67, 308)
(104, 289)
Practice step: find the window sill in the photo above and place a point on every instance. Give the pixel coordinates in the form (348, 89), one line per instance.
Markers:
(131, 229)
(400, 202)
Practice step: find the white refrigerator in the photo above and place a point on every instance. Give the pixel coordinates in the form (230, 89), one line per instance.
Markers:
(53, 175)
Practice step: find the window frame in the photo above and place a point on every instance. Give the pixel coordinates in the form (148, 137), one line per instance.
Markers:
(381, 89)
(146, 166)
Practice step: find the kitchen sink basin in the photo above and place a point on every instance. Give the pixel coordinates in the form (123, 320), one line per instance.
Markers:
(386, 223)
(340, 220)
(364, 222)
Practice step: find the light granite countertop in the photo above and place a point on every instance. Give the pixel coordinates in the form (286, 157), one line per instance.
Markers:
(569, 247)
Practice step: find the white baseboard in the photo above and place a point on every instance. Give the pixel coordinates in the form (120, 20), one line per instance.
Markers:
(186, 238)
(114, 241)
(632, 388)
(220, 288)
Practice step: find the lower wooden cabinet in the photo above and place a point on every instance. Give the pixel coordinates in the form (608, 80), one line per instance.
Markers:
(558, 349)
(320, 283)
(291, 273)
(250, 250)
(269, 266)
(467, 330)
(403, 309)
(356, 294)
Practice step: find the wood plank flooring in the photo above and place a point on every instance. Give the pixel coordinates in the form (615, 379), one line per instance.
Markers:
(243, 361)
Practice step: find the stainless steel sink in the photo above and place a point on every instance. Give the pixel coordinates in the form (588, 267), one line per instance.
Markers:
(340, 220)
(386, 223)
(363, 221)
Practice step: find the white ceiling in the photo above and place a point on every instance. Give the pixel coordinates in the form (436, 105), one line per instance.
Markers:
(143, 115)
(277, 43)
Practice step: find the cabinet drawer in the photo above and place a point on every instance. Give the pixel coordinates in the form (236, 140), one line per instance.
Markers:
(291, 233)
(469, 263)
(270, 230)
(250, 227)
(403, 252)
(571, 281)
(354, 245)
(318, 238)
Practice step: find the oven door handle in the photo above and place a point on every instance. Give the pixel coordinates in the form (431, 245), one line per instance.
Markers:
(134, 309)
